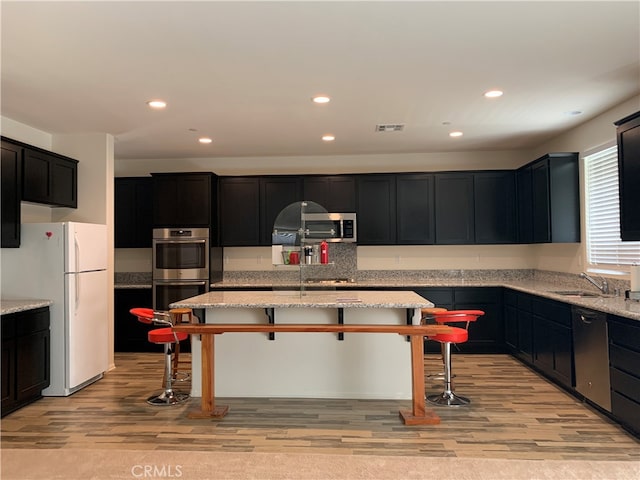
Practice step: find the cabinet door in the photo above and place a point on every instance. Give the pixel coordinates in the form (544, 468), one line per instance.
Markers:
(64, 182)
(454, 208)
(495, 207)
(628, 134)
(486, 334)
(129, 334)
(182, 199)
(524, 185)
(133, 212)
(32, 364)
(8, 378)
(49, 178)
(376, 209)
(239, 210)
(275, 194)
(336, 193)
(11, 191)
(415, 209)
(540, 192)
(36, 186)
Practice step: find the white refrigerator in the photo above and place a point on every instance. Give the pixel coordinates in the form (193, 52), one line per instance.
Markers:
(67, 264)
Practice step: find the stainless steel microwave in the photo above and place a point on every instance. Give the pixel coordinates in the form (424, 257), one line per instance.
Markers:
(331, 227)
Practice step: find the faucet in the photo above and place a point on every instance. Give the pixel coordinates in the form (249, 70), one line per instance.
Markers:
(604, 287)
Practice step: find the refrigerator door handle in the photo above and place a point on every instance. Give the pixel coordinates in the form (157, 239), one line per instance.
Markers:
(77, 249)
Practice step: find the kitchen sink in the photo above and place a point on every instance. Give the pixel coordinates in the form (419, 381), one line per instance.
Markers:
(576, 293)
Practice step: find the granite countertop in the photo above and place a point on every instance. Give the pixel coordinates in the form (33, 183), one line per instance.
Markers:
(15, 306)
(544, 284)
(312, 299)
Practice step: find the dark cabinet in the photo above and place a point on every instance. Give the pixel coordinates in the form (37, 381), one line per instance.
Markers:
(239, 211)
(49, 178)
(624, 361)
(454, 212)
(628, 136)
(415, 219)
(553, 340)
(495, 217)
(376, 209)
(11, 191)
(133, 212)
(184, 199)
(549, 206)
(336, 193)
(129, 334)
(486, 334)
(524, 204)
(276, 193)
(25, 357)
(518, 322)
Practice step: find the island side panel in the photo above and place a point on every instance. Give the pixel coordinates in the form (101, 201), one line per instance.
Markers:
(309, 365)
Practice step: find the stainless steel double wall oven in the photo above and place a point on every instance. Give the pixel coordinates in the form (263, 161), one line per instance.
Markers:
(181, 264)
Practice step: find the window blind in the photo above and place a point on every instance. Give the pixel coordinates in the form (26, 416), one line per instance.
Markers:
(604, 246)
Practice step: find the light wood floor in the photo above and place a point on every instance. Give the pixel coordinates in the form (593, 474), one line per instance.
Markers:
(514, 414)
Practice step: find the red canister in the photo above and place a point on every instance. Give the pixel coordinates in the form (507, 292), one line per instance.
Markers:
(324, 252)
(294, 258)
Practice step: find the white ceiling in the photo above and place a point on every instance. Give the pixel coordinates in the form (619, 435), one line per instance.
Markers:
(243, 73)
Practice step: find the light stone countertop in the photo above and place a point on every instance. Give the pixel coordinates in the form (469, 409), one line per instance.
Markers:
(311, 299)
(15, 306)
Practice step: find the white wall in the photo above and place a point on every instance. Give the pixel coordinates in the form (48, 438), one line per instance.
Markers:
(95, 186)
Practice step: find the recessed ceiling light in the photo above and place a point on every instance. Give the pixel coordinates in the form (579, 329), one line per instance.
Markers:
(205, 140)
(328, 138)
(157, 104)
(493, 93)
(455, 134)
(321, 99)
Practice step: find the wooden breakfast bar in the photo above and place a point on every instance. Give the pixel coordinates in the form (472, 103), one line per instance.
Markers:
(277, 325)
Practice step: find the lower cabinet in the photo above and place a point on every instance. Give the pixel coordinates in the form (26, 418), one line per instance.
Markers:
(25, 357)
(538, 332)
(624, 368)
(129, 334)
(486, 335)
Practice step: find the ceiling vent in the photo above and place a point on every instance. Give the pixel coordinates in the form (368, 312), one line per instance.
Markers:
(390, 127)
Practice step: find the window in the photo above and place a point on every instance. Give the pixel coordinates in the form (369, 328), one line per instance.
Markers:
(602, 204)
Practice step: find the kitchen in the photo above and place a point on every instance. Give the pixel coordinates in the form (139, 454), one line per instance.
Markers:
(98, 165)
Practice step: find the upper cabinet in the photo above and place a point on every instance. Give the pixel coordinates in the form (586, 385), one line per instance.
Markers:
(276, 192)
(49, 178)
(494, 207)
(133, 212)
(336, 193)
(184, 199)
(628, 134)
(415, 212)
(549, 199)
(455, 220)
(239, 211)
(11, 191)
(376, 209)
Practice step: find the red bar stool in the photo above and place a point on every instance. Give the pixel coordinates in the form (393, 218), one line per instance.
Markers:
(459, 335)
(167, 337)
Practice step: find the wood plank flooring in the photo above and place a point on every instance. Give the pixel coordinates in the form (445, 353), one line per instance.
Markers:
(514, 414)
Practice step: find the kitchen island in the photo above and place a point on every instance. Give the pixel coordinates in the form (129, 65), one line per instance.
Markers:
(310, 344)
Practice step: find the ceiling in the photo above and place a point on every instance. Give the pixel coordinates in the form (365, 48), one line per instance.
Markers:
(243, 73)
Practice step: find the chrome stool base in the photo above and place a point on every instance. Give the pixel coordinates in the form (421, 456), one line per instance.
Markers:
(167, 398)
(448, 400)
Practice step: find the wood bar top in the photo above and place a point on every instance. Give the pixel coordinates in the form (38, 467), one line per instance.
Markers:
(209, 328)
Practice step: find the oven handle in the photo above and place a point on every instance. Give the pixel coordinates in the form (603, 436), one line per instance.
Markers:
(180, 282)
(189, 240)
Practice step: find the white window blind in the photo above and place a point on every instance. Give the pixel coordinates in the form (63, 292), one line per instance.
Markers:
(604, 246)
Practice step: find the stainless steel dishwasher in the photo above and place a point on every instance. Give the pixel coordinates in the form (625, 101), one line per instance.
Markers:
(591, 356)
